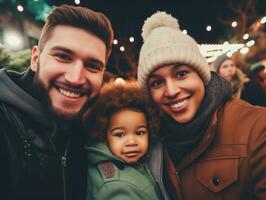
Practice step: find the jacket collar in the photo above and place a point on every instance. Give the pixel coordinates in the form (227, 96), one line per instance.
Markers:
(205, 142)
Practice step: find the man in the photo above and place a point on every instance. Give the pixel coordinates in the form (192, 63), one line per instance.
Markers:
(41, 137)
(255, 90)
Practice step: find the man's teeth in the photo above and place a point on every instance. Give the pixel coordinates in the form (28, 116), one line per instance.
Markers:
(179, 104)
(69, 94)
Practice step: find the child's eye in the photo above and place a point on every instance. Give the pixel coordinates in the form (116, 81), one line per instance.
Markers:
(181, 73)
(119, 134)
(140, 133)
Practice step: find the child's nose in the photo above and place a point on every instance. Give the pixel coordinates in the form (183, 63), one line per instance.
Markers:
(131, 140)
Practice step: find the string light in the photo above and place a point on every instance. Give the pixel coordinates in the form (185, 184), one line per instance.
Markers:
(115, 41)
(119, 80)
(212, 51)
(77, 2)
(209, 28)
(122, 48)
(229, 54)
(250, 43)
(207, 52)
(263, 20)
(20, 8)
(131, 39)
(13, 39)
(234, 24)
(244, 50)
(245, 36)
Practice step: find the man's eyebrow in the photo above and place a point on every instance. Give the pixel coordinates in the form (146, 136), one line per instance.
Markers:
(60, 48)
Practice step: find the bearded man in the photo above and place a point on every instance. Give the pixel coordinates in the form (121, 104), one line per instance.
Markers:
(41, 137)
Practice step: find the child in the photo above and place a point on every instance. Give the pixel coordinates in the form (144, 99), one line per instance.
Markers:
(121, 125)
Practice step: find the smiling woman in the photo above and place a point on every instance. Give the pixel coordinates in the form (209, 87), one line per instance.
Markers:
(208, 140)
(170, 81)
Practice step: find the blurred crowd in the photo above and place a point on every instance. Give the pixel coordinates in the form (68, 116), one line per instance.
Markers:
(250, 86)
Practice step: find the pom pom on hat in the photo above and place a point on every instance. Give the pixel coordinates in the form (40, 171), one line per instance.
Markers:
(157, 20)
(164, 44)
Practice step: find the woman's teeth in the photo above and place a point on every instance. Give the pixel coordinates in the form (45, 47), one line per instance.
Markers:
(179, 104)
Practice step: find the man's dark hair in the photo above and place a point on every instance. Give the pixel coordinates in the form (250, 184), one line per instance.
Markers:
(79, 17)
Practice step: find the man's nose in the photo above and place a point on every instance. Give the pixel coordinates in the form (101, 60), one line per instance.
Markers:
(76, 74)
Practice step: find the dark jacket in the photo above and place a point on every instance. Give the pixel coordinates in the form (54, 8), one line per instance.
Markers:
(253, 94)
(229, 162)
(38, 161)
(110, 178)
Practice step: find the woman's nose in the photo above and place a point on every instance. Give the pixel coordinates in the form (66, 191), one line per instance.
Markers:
(172, 89)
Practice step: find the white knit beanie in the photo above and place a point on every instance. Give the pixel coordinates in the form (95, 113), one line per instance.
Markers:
(164, 43)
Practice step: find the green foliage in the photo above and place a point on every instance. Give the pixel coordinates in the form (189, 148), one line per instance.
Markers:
(4, 57)
(17, 61)
(20, 60)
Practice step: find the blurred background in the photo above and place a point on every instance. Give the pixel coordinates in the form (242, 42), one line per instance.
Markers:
(235, 27)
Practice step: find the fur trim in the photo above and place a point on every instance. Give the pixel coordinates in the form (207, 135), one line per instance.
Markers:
(157, 20)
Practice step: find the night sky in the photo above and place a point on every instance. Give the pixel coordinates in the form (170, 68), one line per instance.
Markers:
(127, 16)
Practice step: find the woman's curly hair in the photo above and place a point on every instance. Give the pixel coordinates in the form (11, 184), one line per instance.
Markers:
(114, 97)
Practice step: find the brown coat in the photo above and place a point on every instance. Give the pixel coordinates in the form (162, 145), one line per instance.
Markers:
(230, 161)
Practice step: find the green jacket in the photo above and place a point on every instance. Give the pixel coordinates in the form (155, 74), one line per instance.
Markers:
(111, 178)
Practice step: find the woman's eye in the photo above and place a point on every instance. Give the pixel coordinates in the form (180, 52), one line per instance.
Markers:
(155, 83)
(180, 74)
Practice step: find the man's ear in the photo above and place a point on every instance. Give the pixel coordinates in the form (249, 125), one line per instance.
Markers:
(34, 58)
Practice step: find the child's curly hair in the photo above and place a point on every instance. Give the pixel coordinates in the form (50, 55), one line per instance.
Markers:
(117, 96)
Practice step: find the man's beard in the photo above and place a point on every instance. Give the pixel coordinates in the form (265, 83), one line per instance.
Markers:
(42, 95)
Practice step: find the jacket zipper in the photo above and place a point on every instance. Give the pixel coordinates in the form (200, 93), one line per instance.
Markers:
(179, 182)
(63, 164)
(155, 183)
(178, 177)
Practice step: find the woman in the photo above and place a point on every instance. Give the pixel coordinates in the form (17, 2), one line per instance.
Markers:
(226, 67)
(213, 146)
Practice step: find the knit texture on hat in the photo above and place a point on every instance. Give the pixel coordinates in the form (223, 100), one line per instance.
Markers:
(164, 43)
(219, 61)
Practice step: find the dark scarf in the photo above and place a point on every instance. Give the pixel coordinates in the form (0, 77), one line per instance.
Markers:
(182, 138)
